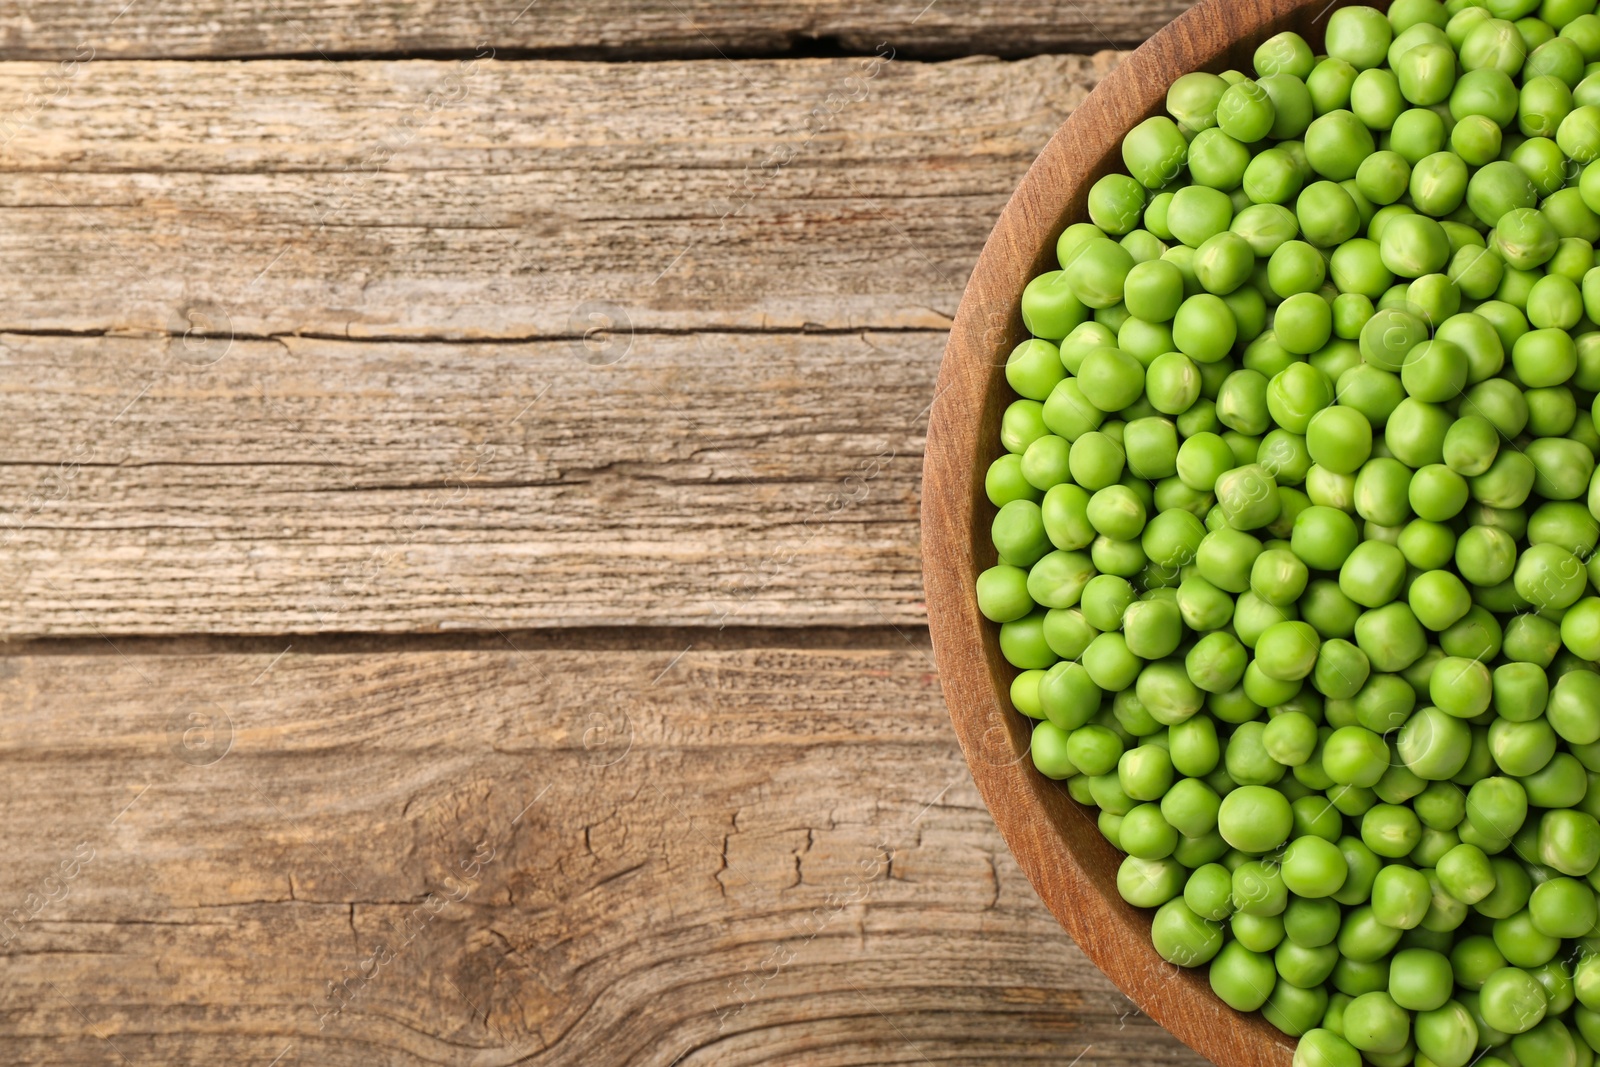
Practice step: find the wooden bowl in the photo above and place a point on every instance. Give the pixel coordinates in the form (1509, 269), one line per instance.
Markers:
(1055, 839)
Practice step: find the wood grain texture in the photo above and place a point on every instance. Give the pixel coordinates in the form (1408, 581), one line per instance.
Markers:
(699, 856)
(481, 199)
(1055, 839)
(603, 28)
(175, 476)
(301, 485)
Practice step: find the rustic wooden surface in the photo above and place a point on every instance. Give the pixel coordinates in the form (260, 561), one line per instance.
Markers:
(458, 536)
(741, 444)
(596, 29)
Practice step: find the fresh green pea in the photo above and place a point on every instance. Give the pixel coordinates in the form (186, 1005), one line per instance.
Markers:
(1373, 1022)
(1023, 645)
(1438, 183)
(1359, 36)
(1242, 979)
(1182, 937)
(1512, 1001)
(1327, 214)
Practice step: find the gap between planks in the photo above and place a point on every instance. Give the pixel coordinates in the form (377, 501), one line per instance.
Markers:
(603, 30)
(576, 639)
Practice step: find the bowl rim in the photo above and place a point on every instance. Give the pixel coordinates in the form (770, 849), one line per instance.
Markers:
(1056, 841)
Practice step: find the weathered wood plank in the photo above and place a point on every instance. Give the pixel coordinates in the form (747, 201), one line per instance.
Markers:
(488, 221)
(599, 28)
(509, 200)
(301, 485)
(182, 478)
(682, 855)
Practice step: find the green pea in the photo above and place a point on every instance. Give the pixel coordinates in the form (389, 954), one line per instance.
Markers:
(1021, 424)
(1304, 323)
(1438, 183)
(1242, 979)
(1209, 892)
(1025, 693)
(1252, 616)
(1390, 830)
(1154, 152)
(1325, 1048)
(1419, 979)
(1496, 808)
(1255, 819)
(1498, 189)
(1521, 748)
(1116, 203)
(1461, 687)
(1109, 662)
(1372, 574)
(1284, 456)
(1149, 883)
(1049, 311)
(1563, 907)
(1524, 238)
(1143, 832)
(1192, 100)
(1341, 669)
(1019, 535)
(1418, 132)
(1447, 1035)
(1096, 460)
(1437, 493)
(1217, 160)
(1339, 439)
(1069, 414)
(1326, 212)
(1549, 576)
(1153, 290)
(1110, 379)
(1383, 177)
(1047, 462)
(1476, 635)
(1476, 139)
(1183, 938)
(1391, 637)
(1247, 497)
(1278, 576)
(1295, 267)
(1466, 873)
(1245, 112)
(1507, 482)
(1194, 746)
(1242, 402)
(1573, 710)
(1003, 593)
(1512, 1001)
(1048, 748)
(1023, 645)
(1439, 599)
(1376, 99)
(1543, 104)
(1095, 271)
(1204, 328)
(1359, 36)
(1530, 639)
(1357, 267)
(1374, 1023)
(1561, 468)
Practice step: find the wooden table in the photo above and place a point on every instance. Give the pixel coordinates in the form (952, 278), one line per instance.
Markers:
(460, 546)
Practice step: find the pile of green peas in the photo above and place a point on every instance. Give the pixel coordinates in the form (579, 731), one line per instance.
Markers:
(1296, 529)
